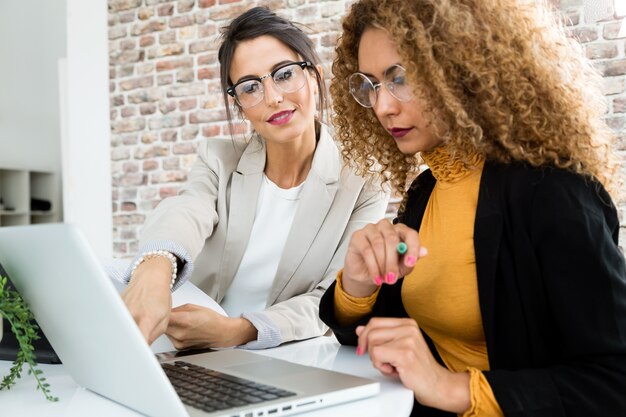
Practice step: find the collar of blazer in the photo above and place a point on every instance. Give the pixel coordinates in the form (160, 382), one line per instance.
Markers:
(326, 160)
(316, 200)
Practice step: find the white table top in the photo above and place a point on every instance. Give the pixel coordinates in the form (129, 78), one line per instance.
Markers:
(324, 352)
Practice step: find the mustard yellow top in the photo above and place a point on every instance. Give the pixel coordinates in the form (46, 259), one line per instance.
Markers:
(441, 293)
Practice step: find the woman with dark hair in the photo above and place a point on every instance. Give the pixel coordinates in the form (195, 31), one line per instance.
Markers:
(261, 225)
(501, 289)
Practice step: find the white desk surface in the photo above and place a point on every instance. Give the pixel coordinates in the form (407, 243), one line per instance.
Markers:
(324, 352)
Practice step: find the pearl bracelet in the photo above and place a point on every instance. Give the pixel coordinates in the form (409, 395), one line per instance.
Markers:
(155, 254)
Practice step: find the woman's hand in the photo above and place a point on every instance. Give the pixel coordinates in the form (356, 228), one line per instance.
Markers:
(372, 257)
(397, 348)
(148, 297)
(192, 326)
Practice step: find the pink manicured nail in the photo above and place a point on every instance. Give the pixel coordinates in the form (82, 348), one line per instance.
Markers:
(409, 260)
(378, 281)
(359, 351)
(391, 278)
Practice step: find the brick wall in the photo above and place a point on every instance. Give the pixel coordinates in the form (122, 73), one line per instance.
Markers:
(165, 95)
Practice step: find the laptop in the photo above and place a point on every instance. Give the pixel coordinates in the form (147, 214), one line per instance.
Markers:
(89, 327)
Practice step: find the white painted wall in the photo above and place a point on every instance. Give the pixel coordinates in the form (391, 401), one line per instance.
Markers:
(32, 39)
(86, 127)
(60, 121)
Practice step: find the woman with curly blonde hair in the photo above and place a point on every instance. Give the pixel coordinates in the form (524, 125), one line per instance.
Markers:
(500, 289)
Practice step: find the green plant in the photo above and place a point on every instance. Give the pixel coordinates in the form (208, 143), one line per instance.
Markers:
(15, 310)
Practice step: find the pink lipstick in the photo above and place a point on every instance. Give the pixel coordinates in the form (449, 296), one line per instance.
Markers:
(281, 117)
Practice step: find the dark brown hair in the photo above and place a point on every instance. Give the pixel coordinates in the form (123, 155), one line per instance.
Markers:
(260, 21)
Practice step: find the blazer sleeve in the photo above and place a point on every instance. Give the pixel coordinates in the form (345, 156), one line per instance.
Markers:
(573, 229)
(188, 219)
(298, 317)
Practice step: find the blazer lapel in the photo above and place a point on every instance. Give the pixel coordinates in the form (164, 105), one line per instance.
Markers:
(244, 193)
(316, 199)
(487, 236)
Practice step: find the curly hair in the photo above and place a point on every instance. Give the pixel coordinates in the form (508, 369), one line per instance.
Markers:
(501, 75)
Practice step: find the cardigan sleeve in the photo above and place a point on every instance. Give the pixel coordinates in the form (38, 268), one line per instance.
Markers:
(573, 231)
(388, 304)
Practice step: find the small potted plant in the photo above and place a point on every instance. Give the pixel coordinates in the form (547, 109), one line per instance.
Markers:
(14, 309)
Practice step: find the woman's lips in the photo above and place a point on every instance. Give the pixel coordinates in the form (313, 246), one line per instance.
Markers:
(281, 117)
(398, 132)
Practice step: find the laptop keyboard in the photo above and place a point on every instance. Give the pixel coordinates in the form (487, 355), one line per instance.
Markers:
(211, 390)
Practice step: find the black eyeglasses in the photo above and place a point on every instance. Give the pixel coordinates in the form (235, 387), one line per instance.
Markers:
(288, 78)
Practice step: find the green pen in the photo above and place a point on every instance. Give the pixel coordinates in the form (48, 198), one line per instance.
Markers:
(402, 248)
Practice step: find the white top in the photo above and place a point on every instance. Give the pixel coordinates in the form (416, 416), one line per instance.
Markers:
(275, 210)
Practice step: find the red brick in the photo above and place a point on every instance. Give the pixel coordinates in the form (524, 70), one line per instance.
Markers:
(189, 132)
(128, 125)
(127, 17)
(185, 75)
(208, 59)
(167, 37)
(146, 109)
(149, 137)
(206, 3)
(147, 40)
(184, 148)
(150, 165)
(201, 46)
(130, 167)
(166, 10)
(186, 90)
(134, 83)
(169, 176)
(119, 5)
(204, 116)
(228, 12)
(148, 27)
(167, 50)
(170, 164)
(152, 151)
(167, 106)
(187, 104)
(211, 131)
(174, 64)
(165, 79)
(145, 13)
(128, 111)
(208, 73)
(165, 192)
(125, 57)
(207, 30)
(181, 21)
(185, 5)
(169, 136)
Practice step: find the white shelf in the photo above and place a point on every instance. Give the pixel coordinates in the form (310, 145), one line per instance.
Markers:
(17, 189)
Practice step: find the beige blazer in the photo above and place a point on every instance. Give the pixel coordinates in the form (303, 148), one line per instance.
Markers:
(212, 219)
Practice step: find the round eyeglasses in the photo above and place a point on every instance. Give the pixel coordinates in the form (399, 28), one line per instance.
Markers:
(288, 78)
(365, 91)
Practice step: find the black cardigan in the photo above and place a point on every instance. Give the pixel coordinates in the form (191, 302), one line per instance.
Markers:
(552, 291)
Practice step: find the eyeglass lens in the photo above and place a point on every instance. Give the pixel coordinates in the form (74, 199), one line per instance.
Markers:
(288, 79)
(365, 92)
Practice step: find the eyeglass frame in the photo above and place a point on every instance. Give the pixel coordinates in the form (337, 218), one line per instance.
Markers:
(377, 86)
(231, 90)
